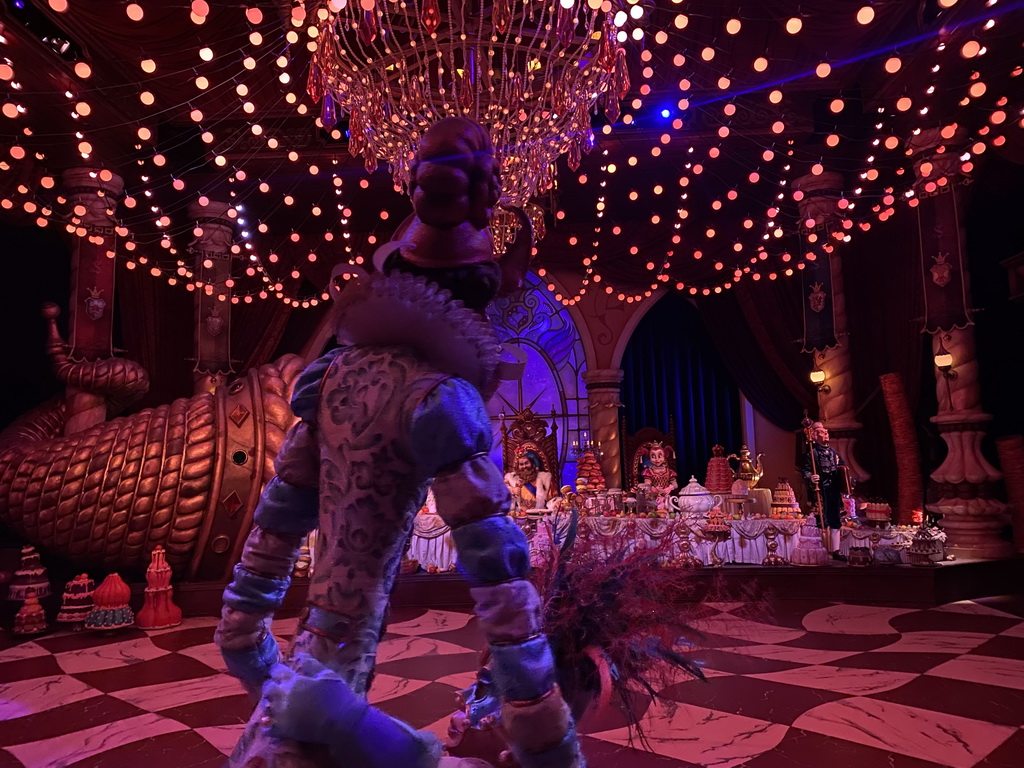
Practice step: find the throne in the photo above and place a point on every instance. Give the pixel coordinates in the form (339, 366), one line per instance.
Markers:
(636, 448)
(530, 432)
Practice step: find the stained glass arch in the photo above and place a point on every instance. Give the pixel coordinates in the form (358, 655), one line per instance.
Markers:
(556, 360)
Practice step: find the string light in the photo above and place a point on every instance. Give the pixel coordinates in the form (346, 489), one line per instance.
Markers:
(757, 170)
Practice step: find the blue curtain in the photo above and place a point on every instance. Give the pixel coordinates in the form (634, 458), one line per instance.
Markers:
(672, 370)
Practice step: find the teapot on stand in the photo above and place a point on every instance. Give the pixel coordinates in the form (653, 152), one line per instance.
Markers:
(748, 470)
(694, 500)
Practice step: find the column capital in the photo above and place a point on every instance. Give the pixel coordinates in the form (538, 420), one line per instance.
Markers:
(930, 164)
(603, 378)
(212, 210)
(96, 190)
(78, 180)
(217, 227)
(821, 193)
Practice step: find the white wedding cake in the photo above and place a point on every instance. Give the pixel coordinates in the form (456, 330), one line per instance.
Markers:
(809, 548)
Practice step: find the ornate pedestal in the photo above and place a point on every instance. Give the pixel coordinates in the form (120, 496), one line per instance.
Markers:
(773, 557)
(686, 558)
(717, 537)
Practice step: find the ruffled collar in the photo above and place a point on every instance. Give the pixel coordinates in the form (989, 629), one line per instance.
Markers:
(397, 309)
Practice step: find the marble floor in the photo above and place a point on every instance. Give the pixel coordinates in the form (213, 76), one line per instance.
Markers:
(813, 684)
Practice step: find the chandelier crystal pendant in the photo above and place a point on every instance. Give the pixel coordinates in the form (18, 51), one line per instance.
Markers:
(530, 71)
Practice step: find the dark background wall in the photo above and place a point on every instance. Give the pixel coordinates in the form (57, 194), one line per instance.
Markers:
(882, 283)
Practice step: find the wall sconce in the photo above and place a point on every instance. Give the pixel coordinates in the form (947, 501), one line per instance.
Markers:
(818, 380)
(944, 360)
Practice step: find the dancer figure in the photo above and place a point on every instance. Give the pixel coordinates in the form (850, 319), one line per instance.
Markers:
(397, 407)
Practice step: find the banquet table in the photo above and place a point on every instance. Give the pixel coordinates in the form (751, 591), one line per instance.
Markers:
(432, 547)
(876, 537)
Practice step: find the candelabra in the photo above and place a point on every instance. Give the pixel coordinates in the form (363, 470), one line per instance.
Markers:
(584, 446)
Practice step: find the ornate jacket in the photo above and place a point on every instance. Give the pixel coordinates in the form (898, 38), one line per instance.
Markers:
(535, 495)
(827, 461)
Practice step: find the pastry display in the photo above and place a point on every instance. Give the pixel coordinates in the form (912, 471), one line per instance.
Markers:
(717, 524)
(928, 547)
(589, 470)
(877, 512)
(719, 478)
(158, 609)
(784, 503)
(860, 556)
(887, 556)
(31, 620)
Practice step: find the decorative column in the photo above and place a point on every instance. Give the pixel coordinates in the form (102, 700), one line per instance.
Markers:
(825, 326)
(603, 388)
(92, 195)
(965, 484)
(212, 251)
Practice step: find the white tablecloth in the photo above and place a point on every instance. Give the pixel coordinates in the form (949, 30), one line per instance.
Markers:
(748, 543)
(874, 537)
(432, 546)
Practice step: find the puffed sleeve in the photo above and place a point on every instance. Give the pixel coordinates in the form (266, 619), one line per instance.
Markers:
(449, 426)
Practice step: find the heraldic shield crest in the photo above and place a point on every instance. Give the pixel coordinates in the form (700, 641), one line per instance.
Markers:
(942, 270)
(95, 304)
(214, 322)
(817, 297)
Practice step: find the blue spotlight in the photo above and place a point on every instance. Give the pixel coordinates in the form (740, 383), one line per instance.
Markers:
(665, 113)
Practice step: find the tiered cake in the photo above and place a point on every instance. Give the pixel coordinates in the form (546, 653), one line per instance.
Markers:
(158, 609)
(590, 470)
(30, 575)
(809, 548)
(928, 547)
(784, 503)
(719, 477)
(77, 601)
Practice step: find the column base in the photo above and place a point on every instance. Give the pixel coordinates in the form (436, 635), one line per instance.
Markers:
(973, 527)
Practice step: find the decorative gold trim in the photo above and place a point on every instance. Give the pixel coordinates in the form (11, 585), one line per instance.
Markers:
(220, 450)
(257, 458)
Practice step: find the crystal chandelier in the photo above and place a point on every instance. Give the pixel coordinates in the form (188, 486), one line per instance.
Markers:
(531, 71)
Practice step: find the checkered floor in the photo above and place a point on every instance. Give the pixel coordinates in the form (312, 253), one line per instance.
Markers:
(847, 686)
